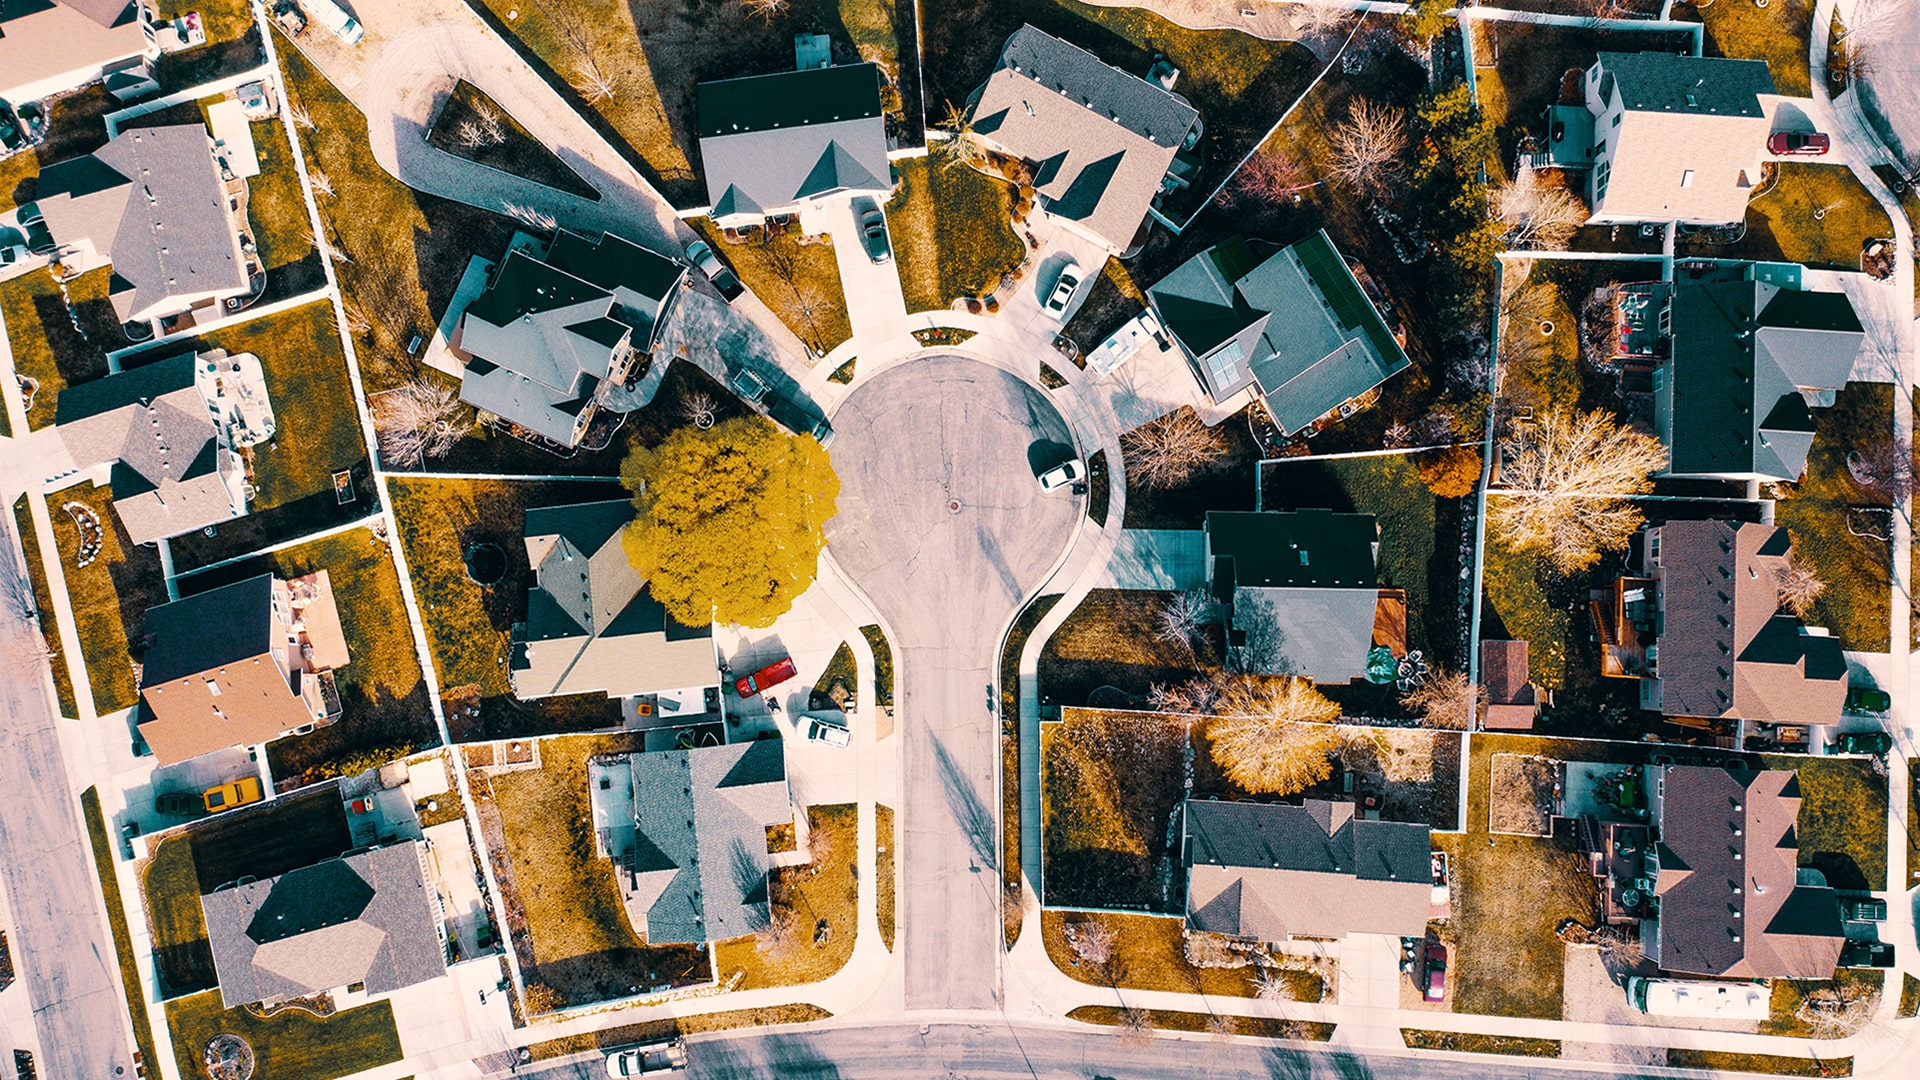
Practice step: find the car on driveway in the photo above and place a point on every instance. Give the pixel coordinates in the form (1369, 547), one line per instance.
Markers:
(182, 804)
(1433, 972)
(1064, 475)
(1868, 699)
(704, 260)
(227, 796)
(822, 730)
(766, 678)
(1861, 742)
(1807, 143)
(873, 229)
(1064, 287)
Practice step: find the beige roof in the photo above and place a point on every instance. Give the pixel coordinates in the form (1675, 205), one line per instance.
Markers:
(1648, 180)
(1272, 905)
(58, 41)
(321, 618)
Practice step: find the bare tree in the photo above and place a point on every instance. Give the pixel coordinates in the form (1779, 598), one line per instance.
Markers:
(299, 115)
(1445, 699)
(1874, 25)
(1262, 641)
(1882, 467)
(490, 124)
(1563, 486)
(1136, 1025)
(594, 83)
(1220, 1025)
(765, 9)
(591, 80)
(321, 184)
(418, 420)
(1092, 942)
(962, 148)
(1319, 17)
(1166, 452)
(1194, 697)
(467, 134)
(1268, 178)
(1798, 584)
(1179, 618)
(1367, 147)
(1272, 987)
(698, 408)
(1274, 736)
(1539, 215)
(778, 939)
(537, 220)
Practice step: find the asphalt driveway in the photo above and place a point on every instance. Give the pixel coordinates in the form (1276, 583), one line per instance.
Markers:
(941, 523)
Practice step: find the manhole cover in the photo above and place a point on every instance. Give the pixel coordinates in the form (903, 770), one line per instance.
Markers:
(954, 506)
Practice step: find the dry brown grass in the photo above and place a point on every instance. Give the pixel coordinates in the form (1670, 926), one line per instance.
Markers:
(825, 888)
(884, 870)
(1149, 953)
(1111, 782)
(1522, 794)
(1113, 639)
(1258, 1027)
(628, 1034)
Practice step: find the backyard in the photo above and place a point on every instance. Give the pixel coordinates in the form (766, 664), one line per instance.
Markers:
(823, 890)
(565, 915)
(290, 1045)
(952, 232)
(471, 125)
(1112, 647)
(1522, 67)
(383, 697)
(1777, 34)
(47, 347)
(794, 274)
(468, 625)
(1150, 953)
(170, 885)
(1110, 784)
(110, 595)
(278, 213)
(1817, 512)
(43, 604)
(1412, 774)
(232, 44)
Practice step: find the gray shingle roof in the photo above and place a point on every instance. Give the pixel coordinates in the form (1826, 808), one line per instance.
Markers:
(209, 630)
(1294, 548)
(365, 917)
(768, 142)
(1706, 85)
(643, 282)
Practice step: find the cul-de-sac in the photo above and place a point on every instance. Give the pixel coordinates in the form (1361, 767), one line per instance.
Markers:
(895, 539)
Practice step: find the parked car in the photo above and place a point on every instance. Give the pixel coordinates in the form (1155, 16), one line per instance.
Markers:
(227, 796)
(788, 414)
(873, 229)
(1866, 954)
(11, 137)
(669, 1055)
(1064, 475)
(822, 730)
(1863, 909)
(1867, 699)
(704, 260)
(1861, 742)
(1808, 143)
(1064, 287)
(766, 678)
(179, 804)
(1433, 973)
(335, 18)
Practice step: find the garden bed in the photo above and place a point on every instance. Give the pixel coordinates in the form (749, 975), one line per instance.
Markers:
(1523, 794)
(473, 126)
(1465, 1042)
(1010, 770)
(130, 981)
(1766, 1064)
(110, 595)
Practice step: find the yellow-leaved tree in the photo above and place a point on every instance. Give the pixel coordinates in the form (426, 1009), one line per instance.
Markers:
(731, 520)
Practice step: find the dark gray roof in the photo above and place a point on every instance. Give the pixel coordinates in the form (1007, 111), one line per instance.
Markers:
(642, 281)
(1668, 82)
(789, 99)
(208, 630)
(1293, 548)
(1319, 836)
(1125, 99)
(768, 142)
(366, 917)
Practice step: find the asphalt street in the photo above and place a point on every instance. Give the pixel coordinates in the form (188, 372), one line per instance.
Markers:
(942, 524)
(57, 940)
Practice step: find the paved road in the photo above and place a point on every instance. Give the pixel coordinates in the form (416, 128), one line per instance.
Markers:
(941, 524)
(58, 942)
(1893, 83)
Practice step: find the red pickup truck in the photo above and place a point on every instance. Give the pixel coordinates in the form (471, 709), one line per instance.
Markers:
(766, 678)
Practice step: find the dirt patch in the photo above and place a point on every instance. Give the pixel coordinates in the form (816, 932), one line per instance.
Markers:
(1523, 793)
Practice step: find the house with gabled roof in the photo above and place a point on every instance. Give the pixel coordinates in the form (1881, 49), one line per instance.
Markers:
(1730, 898)
(1103, 144)
(1273, 871)
(47, 47)
(551, 338)
(1303, 590)
(170, 433)
(782, 143)
(154, 205)
(1294, 328)
(1700, 623)
(686, 831)
(1752, 352)
(592, 626)
(366, 920)
(240, 665)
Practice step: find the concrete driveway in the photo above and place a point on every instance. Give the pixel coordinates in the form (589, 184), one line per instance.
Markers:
(941, 524)
(872, 289)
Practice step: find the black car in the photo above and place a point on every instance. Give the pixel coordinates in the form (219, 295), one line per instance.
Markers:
(11, 137)
(1866, 954)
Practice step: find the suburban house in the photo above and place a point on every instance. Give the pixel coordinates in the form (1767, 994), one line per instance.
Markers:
(1729, 898)
(687, 831)
(1513, 698)
(1698, 620)
(778, 144)
(1104, 145)
(592, 626)
(169, 433)
(365, 921)
(1750, 353)
(240, 665)
(1666, 138)
(1272, 871)
(47, 47)
(1303, 590)
(1296, 329)
(153, 203)
(549, 342)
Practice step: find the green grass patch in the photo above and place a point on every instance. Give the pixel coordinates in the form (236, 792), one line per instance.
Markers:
(1258, 1027)
(270, 839)
(1857, 569)
(291, 1045)
(468, 125)
(1768, 1064)
(1777, 33)
(117, 919)
(47, 347)
(1842, 827)
(882, 663)
(43, 603)
(468, 626)
(953, 233)
(1818, 215)
(884, 869)
(1466, 1042)
(110, 595)
(826, 887)
(799, 281)
(1514, 584)
(171, 886)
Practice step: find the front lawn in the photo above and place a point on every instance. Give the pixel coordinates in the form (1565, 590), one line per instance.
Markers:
(1110, 784)
(383, 696)
(571, 932)
(1150, 953)
(1818, 215)
(1111, 643)
(952, 233)
(463, 128)
(1465, 1042)
(1777, 33)
(290, 1045)
(103, 863)
(883, 868)
(43, 603)
(171, 887)
(468, 626)
(110, 595)
(1768, 1064)
(1790, 1002)
(799, 280)
(1225, 483)
(882, 663)
(1114, 299)
(825, 889)
(47, 348)
(1842, 827)
(1857, 569)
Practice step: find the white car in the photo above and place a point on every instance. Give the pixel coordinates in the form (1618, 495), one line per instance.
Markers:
(1064, 475)
(826, 731)
(1064, 287)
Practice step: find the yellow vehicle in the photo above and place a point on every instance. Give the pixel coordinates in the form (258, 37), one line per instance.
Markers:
(239, 793)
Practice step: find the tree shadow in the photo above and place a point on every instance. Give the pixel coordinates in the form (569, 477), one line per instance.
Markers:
(970, 812)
